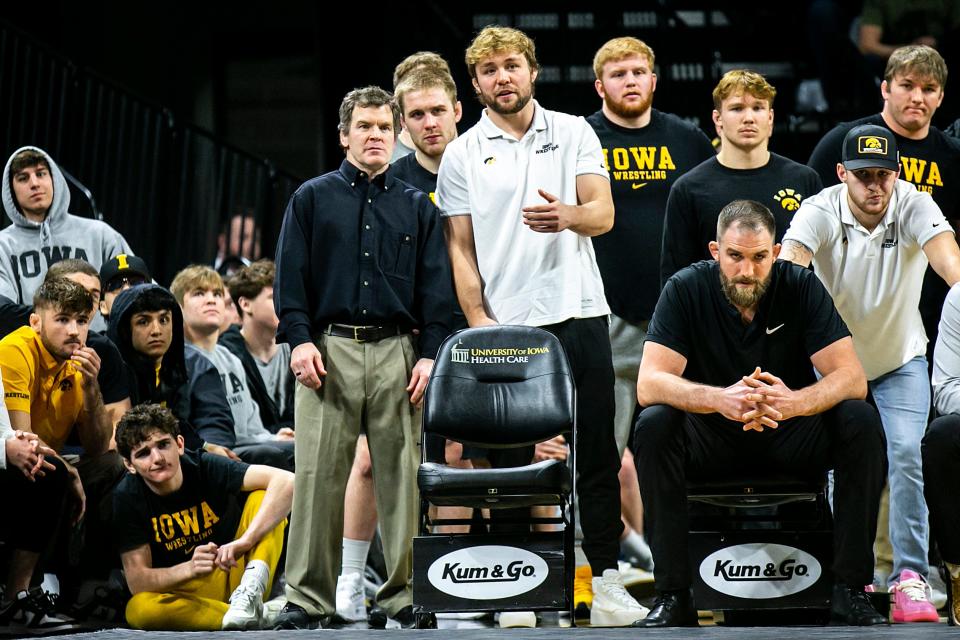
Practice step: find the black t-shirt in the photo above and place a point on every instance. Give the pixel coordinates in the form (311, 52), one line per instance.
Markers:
(795, 319)
(205, 509)
(409, 170)
(696, 200)
(643, 165)
(932, 164)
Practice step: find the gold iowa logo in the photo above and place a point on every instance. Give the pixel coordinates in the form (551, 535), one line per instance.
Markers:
(789, 199)
(872, 144)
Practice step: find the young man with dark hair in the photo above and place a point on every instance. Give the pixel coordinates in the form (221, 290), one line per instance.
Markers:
(730, 357)
(146, 324)
(199, 291)
(195, 531)
(744, 168)
(265, 362)
(36, 198)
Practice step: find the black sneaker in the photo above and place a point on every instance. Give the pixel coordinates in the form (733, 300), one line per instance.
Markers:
(32, 611)
(377, 618)
(293, 616)
(852, 606)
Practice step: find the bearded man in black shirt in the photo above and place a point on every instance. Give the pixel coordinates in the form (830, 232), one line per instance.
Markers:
(727, 381)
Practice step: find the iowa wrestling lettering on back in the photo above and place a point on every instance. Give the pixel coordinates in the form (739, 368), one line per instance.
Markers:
(638, 163)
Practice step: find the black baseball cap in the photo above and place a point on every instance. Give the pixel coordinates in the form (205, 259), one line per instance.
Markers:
(124, 264)
(869, 146)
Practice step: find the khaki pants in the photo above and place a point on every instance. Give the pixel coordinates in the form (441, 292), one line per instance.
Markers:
(365, 385)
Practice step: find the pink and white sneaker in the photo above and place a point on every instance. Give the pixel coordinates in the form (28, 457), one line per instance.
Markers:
(911, 599)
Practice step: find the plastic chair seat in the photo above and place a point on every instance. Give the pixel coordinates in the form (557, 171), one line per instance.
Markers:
(545, 482)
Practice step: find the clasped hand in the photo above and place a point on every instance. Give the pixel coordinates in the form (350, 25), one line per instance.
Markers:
(759, 400)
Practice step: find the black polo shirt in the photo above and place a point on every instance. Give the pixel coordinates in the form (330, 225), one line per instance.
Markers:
(410, 171)
(360, 252)
(796, 318)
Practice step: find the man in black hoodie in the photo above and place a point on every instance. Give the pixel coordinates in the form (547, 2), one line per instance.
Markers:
(146, 324)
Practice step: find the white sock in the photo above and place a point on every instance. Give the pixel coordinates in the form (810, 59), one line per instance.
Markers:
(634, 545)
(257, 571)
(354, 558)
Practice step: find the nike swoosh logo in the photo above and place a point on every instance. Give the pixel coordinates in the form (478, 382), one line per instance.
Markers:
(638, 186)
(774, 330)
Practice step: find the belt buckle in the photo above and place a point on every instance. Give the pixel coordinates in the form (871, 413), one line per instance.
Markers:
(356, 334)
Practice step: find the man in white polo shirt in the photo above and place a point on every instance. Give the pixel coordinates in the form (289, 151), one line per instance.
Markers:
(523, 191)
(869, 239)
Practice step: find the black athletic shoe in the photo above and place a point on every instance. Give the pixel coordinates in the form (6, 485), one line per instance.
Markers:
(406, 617)
(671, 609)
(377, 618)
(33, 612)
(293, 616)
(852, 606)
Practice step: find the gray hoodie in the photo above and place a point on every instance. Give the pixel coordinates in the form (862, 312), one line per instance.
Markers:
(27, 249)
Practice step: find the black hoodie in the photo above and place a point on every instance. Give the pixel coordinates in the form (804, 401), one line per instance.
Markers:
(189, 384)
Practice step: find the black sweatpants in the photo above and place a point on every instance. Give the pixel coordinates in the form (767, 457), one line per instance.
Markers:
(587, 344)
(941, 484)
(672, 446)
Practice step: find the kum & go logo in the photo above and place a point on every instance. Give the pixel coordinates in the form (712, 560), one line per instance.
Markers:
(760, 570)
(487, 572)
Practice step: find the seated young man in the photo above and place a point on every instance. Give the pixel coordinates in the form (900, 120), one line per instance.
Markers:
(118, 274)
(195, 531)
(147, 326)
(266, 363)
(199, 290)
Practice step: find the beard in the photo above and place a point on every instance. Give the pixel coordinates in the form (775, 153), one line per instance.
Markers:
(628, 111)
(506, 110)
(62, 352)
(744, 298)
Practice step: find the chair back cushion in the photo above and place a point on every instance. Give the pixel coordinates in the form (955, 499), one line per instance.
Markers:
(500, 386)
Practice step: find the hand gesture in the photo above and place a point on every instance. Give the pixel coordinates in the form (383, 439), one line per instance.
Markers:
(26, 452)
(226, 557)
(203, 559)
(552, 217)
(306, 363)
(770, 391)
(87, 362)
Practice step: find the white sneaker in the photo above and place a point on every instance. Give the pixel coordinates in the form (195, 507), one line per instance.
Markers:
(351, 605)
(246, 607)
(612, 605)
(518, 619)
(271, 611)
(632, 575)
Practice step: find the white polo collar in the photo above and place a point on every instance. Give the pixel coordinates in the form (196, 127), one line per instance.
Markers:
(491, 130)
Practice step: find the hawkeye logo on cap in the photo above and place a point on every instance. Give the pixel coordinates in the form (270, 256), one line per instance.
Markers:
(872, 144)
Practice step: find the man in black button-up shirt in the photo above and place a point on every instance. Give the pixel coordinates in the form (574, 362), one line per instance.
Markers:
(358, 248)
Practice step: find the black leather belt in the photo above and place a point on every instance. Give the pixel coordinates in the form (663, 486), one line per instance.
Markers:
(369, 333)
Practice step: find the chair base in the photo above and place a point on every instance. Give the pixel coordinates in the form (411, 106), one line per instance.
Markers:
(493, 572)
(761, 569)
